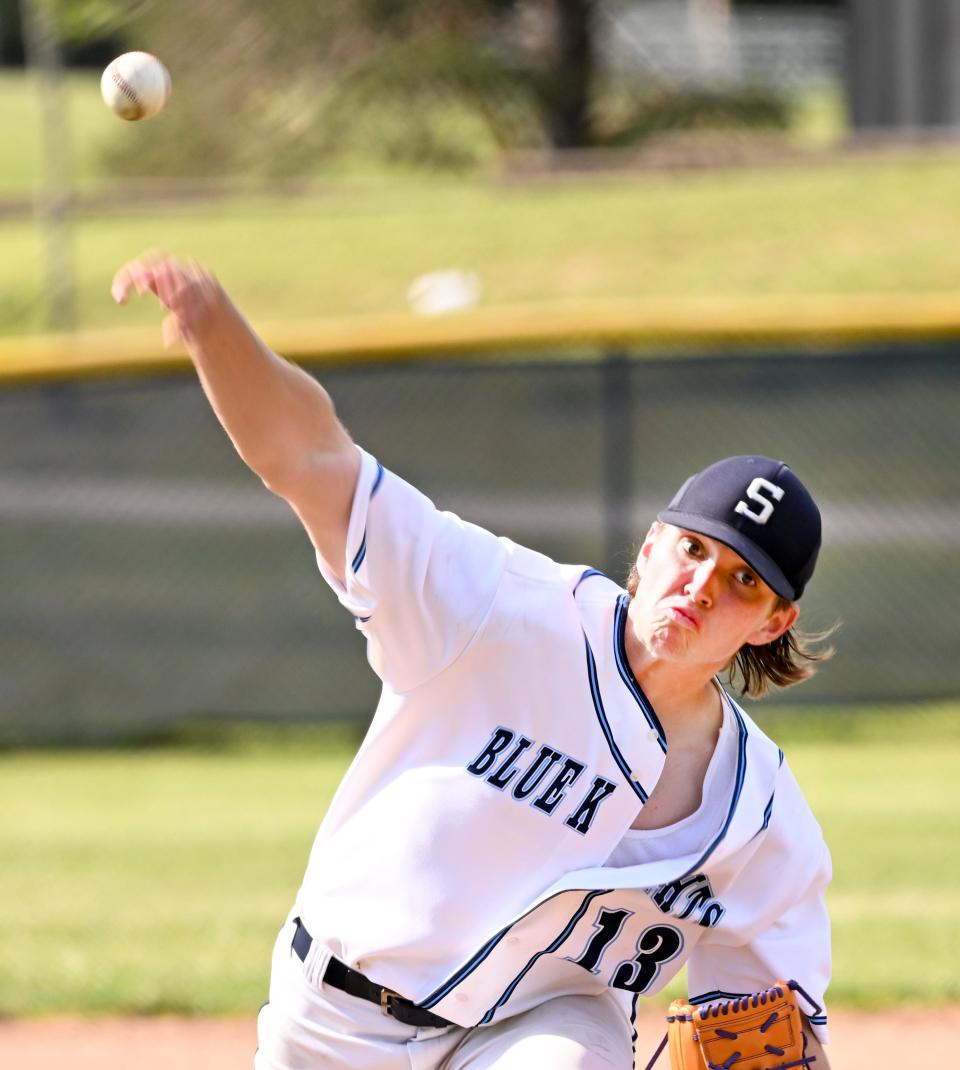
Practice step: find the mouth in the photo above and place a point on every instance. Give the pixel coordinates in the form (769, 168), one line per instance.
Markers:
(685, 617)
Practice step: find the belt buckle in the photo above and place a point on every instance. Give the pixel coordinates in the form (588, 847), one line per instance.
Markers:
(386, 995)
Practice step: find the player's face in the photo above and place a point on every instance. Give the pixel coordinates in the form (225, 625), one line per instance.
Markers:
(699, 601)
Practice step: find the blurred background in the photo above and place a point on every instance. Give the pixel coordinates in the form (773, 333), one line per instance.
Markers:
(550, 257)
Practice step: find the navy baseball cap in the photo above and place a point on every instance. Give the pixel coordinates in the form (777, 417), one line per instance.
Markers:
(761, 510)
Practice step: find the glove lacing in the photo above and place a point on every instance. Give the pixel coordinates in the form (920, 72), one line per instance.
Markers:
(742, 1003)
(757, 999)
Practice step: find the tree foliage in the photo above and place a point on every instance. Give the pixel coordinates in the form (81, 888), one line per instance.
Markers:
(274, 88)
(270, 87)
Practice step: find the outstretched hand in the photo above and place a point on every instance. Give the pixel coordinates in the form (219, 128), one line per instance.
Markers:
(189, 292)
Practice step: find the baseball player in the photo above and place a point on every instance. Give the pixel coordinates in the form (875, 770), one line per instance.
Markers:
(557, 805)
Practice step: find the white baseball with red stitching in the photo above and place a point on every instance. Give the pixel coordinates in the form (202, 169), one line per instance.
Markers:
(135, 85)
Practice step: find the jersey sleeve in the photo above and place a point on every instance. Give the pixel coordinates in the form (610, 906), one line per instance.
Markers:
(418, 581)
(784, 933)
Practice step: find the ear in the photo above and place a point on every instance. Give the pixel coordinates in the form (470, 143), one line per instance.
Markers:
(655, 528)
(780, 620)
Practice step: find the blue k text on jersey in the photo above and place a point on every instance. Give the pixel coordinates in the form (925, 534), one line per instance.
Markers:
(509, 761)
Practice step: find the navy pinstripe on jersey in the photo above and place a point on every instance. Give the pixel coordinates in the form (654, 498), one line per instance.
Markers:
(548, 950)
(737, 790)
(588, 573)
(768, 809)
(605, 725)
(468, 967)
(638, 788)
(362, 552)
(626, 673)
(464, 972)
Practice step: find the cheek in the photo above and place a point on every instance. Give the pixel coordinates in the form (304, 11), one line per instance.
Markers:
(662, 566)
(658, 583)
(746, 621)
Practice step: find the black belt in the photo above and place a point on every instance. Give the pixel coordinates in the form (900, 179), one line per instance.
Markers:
(339, 975)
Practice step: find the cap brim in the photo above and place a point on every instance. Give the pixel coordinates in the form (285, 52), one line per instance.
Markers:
(757, 559)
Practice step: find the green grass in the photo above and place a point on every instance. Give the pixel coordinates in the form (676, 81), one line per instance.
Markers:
(154, 880)
(354, 249)
(881, 786)
(896, 889)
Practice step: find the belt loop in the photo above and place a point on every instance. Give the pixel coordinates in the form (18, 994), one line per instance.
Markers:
(312, 953)
(301, 941)
(316, 963)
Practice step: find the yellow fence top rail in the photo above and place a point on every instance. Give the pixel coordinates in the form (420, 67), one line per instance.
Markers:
(550, 329)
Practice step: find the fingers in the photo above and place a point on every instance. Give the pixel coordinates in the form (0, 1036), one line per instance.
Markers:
(168, 278)
(155, 273)
(190, 294)
(120, 287)
(136, 275)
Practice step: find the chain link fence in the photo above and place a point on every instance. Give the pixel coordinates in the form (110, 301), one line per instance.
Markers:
(148, 577)
(707, 43)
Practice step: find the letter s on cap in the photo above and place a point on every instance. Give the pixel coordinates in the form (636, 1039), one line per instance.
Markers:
(755, 494)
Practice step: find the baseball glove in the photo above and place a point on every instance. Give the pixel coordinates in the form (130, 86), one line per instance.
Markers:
(762, 1031)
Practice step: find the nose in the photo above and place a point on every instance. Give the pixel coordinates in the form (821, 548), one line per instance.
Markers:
(700, 585)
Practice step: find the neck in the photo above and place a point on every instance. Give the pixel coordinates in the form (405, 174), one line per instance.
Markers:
(681, 694)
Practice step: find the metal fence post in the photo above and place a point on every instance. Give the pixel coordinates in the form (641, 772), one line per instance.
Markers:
(901, 64)
(617, 461)
(54, 197)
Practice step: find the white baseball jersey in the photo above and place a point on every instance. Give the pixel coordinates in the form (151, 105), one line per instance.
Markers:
(473, 857)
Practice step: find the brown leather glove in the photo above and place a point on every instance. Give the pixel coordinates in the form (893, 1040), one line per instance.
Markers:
(763, 1031)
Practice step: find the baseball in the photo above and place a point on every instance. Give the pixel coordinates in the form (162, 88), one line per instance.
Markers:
(135, 85)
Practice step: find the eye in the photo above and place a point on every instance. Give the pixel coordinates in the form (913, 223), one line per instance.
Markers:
(692, 547)
(745, 578)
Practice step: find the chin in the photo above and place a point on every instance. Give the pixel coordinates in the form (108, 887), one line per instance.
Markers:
(668, 641)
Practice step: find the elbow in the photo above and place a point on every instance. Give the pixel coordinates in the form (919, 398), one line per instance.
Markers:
(284, 462)
(278, 464)
(274, 481)
(310, 475)
(268, 463)
(281, 475)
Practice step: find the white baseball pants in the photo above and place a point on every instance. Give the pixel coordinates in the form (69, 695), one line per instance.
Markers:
(308, 1025)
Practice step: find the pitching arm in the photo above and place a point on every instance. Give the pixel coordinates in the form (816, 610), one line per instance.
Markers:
(280, 420)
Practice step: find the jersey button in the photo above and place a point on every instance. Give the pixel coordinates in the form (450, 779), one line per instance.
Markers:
(653, 734)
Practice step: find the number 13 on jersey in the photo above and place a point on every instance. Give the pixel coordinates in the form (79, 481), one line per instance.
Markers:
(657, 944)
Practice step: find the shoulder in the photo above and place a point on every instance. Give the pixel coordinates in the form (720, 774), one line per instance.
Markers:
(794, 835)
(528, 564)
(789, 826)
(554, 601)
(768, 758)
(586, 586)
(793, 812)
(762, 756)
